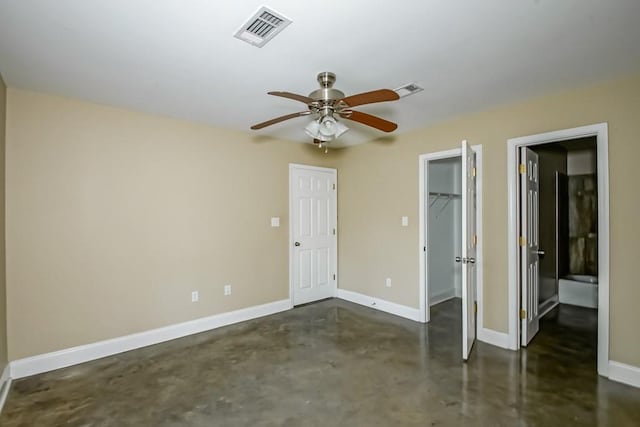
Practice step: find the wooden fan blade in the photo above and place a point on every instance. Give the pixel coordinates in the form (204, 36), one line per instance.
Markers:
(369, 120)
(293, 96)
(381, 95)
(280, 119)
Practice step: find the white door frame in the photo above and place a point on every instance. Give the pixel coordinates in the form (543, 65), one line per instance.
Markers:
(423, 160)
(600, 131)
(290, 240)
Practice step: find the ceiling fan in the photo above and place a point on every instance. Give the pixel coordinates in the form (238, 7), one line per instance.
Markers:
(326, 104)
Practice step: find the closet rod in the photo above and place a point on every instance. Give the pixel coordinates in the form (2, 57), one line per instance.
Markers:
(436, 194)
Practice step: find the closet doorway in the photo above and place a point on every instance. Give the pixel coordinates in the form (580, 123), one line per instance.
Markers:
(444, 222)
(450, 241)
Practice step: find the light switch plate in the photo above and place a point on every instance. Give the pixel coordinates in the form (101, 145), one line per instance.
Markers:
(405, 221)
(275, 221)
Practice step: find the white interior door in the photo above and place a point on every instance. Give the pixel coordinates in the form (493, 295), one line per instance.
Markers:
(313, 233)
(529, 250)
(469, 244)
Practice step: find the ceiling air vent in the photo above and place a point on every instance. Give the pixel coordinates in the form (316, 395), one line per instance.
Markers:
(264, 25)
(408, 89)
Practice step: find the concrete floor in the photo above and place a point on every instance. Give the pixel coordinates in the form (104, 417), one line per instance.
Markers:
(334, 363)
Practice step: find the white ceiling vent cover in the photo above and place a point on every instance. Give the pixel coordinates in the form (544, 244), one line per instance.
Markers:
(408, 89)
(264, 25)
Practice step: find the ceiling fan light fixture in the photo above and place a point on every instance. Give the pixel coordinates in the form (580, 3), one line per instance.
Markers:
(331, 128)
(328, 126)
(325, 129)
(340, 129)
(313, 129)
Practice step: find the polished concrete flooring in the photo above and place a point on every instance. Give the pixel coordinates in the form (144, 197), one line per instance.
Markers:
(334, 363)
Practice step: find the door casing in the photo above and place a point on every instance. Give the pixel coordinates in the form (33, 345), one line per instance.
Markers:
(290, 239)
(600, 131)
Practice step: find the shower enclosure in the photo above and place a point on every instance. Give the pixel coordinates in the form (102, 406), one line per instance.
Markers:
(568, 213)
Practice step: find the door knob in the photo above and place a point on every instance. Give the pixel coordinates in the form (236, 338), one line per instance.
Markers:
(296, 244)
(458, 259)
(540, 253)
(471, 260)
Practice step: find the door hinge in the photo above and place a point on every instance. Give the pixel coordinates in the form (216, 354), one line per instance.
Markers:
(475, 307)
(523, 314)
(334, 277)
(475, 240)
(474, 171)
(424, 249)
(523, 168)
(334, 231)
(522, 241)
(334, 185)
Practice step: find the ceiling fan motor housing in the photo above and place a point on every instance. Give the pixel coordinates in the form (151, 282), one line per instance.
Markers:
(326, 95)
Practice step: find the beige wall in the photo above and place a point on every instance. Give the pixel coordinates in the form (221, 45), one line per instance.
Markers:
(379, 184)
(114, 217)
(3, 277)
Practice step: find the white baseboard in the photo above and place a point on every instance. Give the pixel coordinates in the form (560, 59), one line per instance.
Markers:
(442, 297)
(84, 353)
(623, 373)
(5, 385)
(499, 339)
(380, 304)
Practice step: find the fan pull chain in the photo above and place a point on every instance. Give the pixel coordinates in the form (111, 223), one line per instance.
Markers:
(326, 149)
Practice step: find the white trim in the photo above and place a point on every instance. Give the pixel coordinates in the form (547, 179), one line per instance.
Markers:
(380, 304)
(600, 131)
(422, 236)
(479, 248)
(423, 230)
(623, 373)
(5, 385)
(84, 353)
(333, 172)
(309, 167)
(499, 339)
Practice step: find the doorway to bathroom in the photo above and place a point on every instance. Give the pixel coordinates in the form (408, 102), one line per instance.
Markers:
(559, 241)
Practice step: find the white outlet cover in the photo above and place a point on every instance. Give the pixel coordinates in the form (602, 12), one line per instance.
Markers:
(275, 221)
(388, 282)
(227, 289)
(405, 221)
(195, 296)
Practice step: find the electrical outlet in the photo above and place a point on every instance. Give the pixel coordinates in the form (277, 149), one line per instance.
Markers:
(388, 282)
(227, 290)
(195, 296)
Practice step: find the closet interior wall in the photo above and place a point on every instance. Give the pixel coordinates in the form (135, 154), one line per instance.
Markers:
(444, 229)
